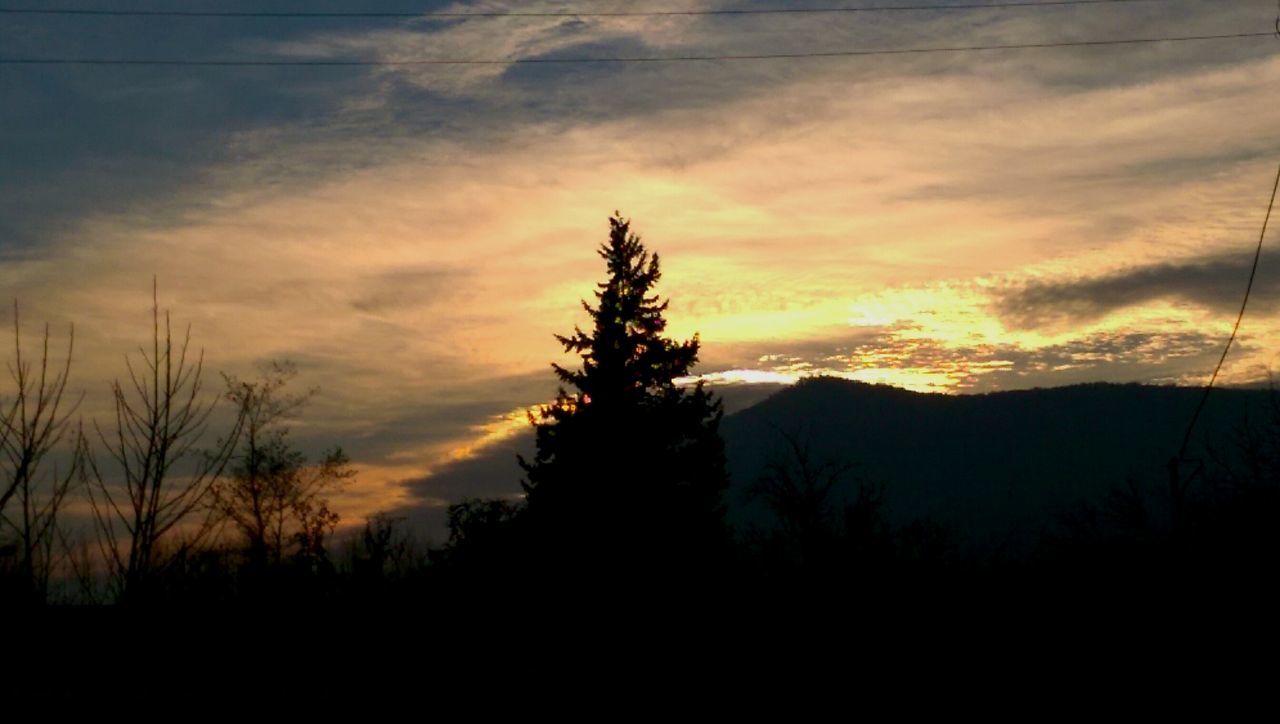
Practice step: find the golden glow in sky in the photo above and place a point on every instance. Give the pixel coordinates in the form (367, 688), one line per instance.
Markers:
(967, 223)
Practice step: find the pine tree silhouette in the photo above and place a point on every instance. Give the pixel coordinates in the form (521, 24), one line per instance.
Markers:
(629, 465)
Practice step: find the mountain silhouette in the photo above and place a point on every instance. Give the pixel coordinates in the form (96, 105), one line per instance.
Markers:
(998, 468)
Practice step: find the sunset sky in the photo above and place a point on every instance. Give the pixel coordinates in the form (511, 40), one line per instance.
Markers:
(412, 237)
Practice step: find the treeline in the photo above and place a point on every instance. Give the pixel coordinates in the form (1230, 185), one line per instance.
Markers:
(119, 510)
(194, 494)
(1204, 523)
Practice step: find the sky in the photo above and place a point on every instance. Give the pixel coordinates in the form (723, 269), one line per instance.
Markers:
(412, 237)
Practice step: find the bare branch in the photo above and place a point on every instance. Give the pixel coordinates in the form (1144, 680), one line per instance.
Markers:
(33, 428)
(159, 429)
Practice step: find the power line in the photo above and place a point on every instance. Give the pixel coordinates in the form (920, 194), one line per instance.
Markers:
(637, 59)
(456, 15)
(1253, 273)
(1244, 303)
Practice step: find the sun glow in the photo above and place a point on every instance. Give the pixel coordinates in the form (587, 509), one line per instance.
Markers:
(495, 430)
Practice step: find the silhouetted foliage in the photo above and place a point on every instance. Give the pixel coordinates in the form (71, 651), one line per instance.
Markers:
(273, 498)
(475, 518)
(801, 494)
(486, 539)
(923, 543)
(629, 465)
(384, 555)
(1212, 519)
(825, 522)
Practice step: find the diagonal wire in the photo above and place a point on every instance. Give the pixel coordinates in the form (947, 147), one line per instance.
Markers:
(1253, 273)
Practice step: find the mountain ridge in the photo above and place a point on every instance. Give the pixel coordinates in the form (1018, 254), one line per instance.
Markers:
(994, 466)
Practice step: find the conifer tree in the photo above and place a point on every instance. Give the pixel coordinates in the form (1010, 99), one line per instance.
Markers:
(629, 464)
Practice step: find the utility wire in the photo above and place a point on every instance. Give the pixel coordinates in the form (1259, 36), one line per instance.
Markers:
(454, 15)
(636, 59)
(1253, 273)
(1244, 303)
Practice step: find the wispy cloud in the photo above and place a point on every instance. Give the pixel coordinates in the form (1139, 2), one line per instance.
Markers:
(414, 237)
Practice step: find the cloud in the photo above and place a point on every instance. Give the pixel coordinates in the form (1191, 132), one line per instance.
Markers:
(494, 473)
(1215, 283)
(400, 288)
(86, 141)
(413, 238)
(907, 355)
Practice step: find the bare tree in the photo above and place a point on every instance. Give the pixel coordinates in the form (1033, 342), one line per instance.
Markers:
(800, 490)
(825, 515)
(161, 417)
(32, 429)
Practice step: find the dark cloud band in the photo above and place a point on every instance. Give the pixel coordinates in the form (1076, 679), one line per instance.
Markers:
(1214, 283)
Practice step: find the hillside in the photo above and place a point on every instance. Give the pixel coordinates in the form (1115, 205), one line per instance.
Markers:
(996, 468)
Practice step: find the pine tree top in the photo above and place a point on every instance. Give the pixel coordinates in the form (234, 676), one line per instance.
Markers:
(626, 356)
